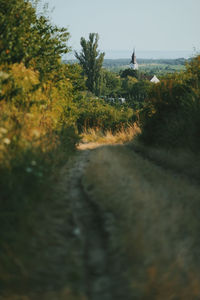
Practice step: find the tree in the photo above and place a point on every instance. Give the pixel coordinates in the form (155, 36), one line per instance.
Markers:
(30, 39)
(74, 72)
(129, 72)
(110, 84)
(91, 60)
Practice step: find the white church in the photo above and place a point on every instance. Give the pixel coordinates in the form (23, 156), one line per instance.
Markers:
(134, 66)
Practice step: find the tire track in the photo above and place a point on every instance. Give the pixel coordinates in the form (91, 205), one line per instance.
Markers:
(102, 276)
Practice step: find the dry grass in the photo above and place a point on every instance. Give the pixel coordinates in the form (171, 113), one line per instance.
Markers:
(154, 231)
(124, 135)
(179, 160)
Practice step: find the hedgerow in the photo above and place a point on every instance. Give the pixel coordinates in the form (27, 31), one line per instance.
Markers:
(170, 117)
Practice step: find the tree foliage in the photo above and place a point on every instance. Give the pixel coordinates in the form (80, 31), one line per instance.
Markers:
(95, 113)
(74, 73)
(135, 91)
(31, 39)
(129, 72)
(171, 114)
(91, 60)
(110, 84)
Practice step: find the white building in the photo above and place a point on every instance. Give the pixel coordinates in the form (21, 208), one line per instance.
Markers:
(154, 79)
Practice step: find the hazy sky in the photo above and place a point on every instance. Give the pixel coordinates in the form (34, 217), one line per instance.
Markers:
(122, 24)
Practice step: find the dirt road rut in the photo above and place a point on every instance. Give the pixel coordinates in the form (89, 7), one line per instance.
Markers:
(93, 228)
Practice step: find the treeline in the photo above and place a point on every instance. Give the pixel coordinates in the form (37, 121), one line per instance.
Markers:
(126, 61)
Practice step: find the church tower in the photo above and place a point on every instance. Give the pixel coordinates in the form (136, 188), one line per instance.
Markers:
(133, 63)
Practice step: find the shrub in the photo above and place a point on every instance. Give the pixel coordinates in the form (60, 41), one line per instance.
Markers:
(170, 117)
(96, 113)
(36, 136)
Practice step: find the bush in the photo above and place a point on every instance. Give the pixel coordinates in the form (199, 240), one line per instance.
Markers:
(36, 137)
(170, 117)
(96, 113)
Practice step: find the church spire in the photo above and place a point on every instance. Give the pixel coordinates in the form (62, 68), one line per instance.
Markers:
(133, 61)
(133, 64)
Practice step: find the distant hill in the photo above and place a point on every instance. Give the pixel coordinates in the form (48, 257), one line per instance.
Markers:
(148, 54)
(148, 65)
(126, 61)
(126, 54)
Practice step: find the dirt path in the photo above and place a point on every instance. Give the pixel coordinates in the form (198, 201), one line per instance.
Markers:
(141, 227)
(116, 227)
(102, 279)
(90, 229)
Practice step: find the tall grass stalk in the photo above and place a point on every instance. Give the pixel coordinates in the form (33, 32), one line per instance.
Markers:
(121, 136)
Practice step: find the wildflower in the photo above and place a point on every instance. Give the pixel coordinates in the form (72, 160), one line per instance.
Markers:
(29, 170)
(6, 141)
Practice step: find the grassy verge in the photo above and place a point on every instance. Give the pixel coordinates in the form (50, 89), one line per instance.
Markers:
(27, 176)
(182, 161)
(121, 136)
(153, 222)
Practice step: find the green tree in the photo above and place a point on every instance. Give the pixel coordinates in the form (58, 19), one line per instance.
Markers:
(74, 72)
(170, 116)
(91, 60)
(110, 84)
(129, 72)
(31, 39)
(16, 17)
(135, 91)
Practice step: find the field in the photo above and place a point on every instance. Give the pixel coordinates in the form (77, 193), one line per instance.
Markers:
(150, 66)
(157, 67)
